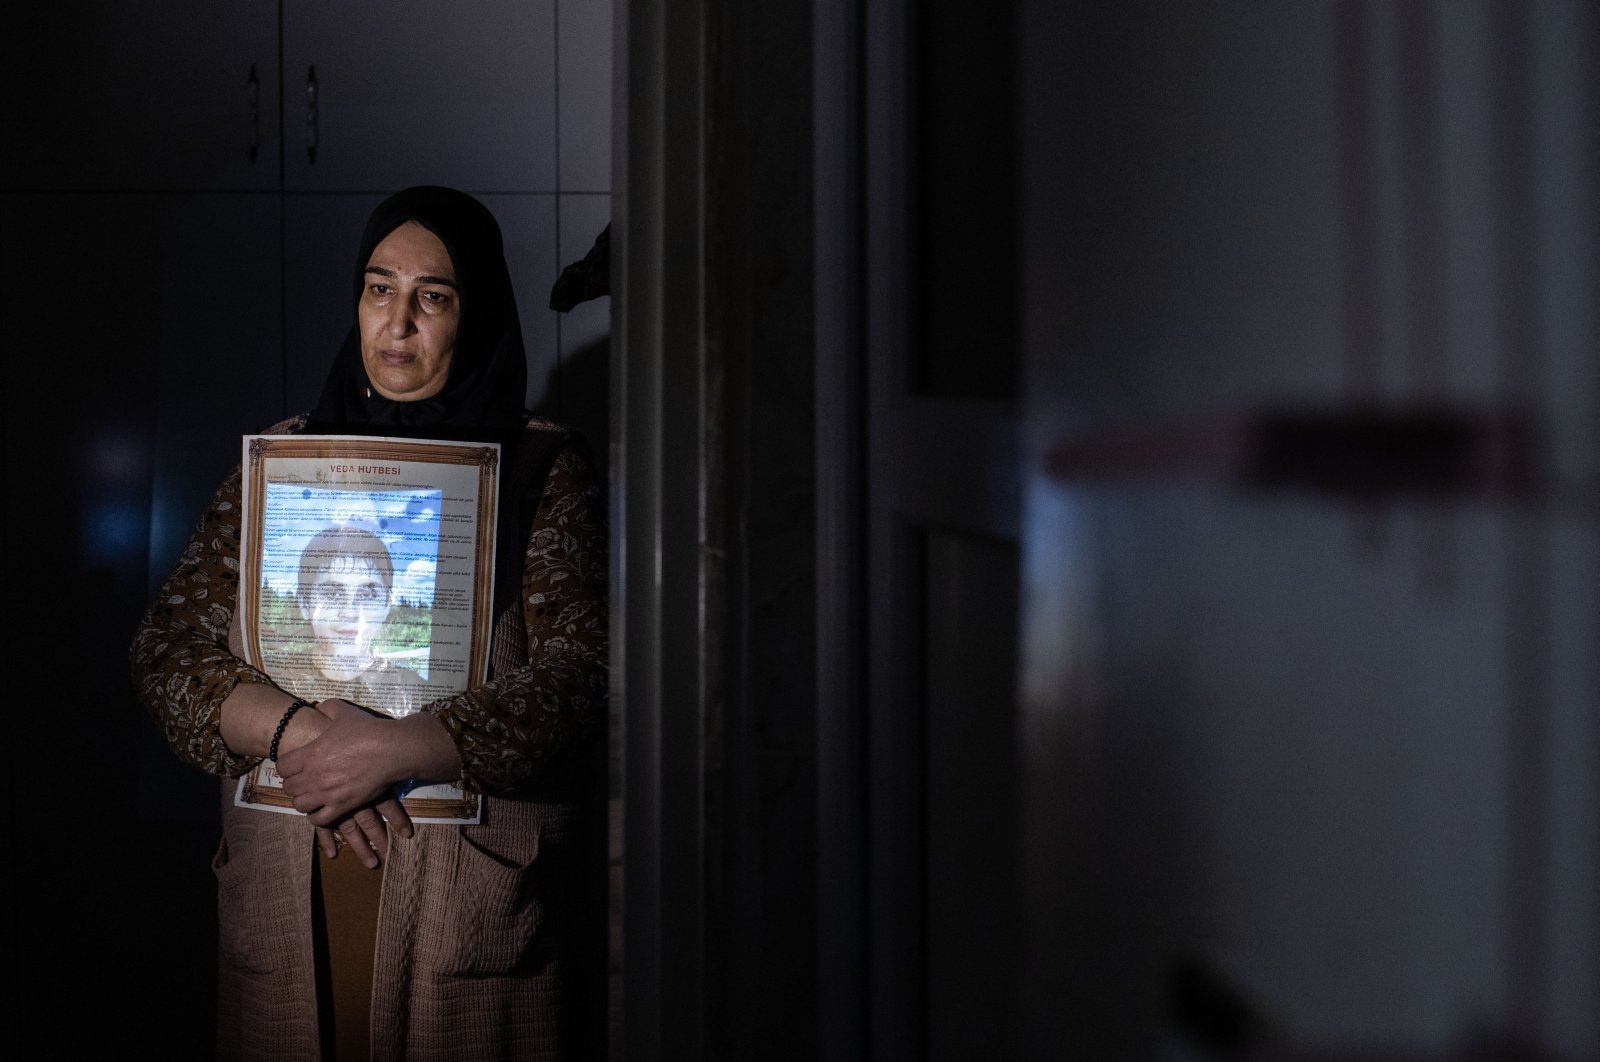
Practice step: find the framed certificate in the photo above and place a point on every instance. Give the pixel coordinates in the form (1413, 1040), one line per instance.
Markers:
(366, 573)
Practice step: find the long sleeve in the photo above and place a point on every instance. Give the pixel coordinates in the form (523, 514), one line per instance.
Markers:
(509, 730)
(182, 669)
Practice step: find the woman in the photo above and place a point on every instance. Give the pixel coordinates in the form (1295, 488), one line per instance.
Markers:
(437, 941)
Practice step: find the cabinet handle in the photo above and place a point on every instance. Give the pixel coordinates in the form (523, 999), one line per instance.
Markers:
(253, 95)
(311, 114)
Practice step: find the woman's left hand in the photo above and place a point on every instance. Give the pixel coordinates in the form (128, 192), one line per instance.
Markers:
(366, 833)
(354, 763)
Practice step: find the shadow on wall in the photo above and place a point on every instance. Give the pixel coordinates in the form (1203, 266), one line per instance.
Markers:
(577, 395)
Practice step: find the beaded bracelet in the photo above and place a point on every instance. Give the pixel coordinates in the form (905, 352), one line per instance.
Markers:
(277, 735)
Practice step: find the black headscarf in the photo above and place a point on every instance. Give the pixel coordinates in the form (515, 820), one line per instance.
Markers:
(482, 399)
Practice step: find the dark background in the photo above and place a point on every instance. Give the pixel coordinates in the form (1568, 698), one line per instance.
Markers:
(1106, 495)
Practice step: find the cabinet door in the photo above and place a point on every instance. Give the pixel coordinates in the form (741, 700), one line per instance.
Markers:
(106, 96)
(143, 342)
(382, 95)
(321, 237)
(220, 370)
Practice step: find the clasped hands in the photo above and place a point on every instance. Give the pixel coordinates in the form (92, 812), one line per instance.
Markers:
(344, 778)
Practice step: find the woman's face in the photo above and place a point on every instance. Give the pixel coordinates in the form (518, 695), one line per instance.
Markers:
(409, 314)
(346, 604)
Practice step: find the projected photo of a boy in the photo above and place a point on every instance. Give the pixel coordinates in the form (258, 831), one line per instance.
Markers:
(345, 593)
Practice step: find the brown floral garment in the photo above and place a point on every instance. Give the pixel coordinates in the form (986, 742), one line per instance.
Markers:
(506, 731)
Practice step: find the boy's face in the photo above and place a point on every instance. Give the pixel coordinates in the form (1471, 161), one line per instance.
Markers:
(346, 605)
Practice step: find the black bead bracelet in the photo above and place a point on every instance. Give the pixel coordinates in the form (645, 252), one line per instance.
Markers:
(277, 735)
